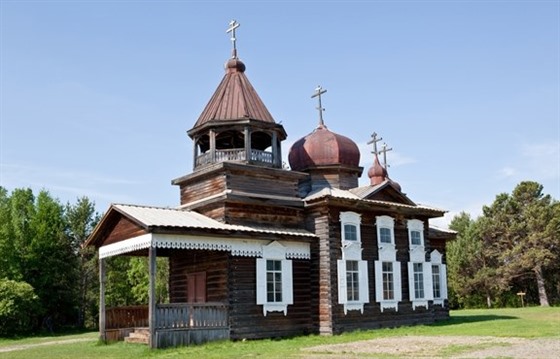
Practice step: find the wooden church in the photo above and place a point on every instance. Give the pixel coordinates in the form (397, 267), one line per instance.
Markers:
(257, 250)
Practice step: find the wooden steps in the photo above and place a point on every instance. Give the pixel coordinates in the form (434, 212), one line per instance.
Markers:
(139, 335)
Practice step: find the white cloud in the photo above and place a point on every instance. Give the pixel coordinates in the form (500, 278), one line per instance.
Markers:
(507, 172)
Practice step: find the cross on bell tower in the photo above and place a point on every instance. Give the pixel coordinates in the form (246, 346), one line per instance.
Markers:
(232, 26)
(318, 92)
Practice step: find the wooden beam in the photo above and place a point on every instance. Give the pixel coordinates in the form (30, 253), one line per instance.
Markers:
(102, 278)
(152, 297)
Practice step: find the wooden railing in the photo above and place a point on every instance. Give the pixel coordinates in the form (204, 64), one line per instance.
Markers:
(126, 317)
(236, 154)
(191, 315)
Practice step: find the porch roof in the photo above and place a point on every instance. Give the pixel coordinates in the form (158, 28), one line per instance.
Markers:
(159, 219)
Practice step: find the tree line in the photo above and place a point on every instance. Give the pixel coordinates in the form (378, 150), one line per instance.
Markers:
(511, 250)
(48, 279)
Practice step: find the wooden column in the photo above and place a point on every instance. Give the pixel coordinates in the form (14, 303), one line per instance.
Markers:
(276, 155)
(212, 135)
(195, 152)
(102, 276)
(247, 135)
(152, 297)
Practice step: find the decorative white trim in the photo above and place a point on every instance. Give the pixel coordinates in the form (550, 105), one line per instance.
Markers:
(397, 285)
(274, 251)
(128, 245)
(237, 247)
(363, 283)
(437, 259)
(351, 218)
(385, 222)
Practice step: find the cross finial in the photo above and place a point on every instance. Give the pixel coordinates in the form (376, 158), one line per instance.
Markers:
(232, 26)
(384, 150)
(374, 141)
(318, 92)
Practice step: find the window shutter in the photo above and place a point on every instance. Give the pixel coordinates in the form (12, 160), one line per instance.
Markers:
(398, 280)
(341, 267)
(287, 282)
(428, 280)
(443, 280)
(261, 281)
(411, 293)
(378, 281)
(364, 282)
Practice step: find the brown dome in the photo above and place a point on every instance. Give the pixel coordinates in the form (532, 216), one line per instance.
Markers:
(376, 173)
(322, 148)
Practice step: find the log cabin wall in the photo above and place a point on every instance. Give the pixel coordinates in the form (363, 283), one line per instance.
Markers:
(372, 316)
(184, 262)
(246, 317)
(255, 213)
(317, 220)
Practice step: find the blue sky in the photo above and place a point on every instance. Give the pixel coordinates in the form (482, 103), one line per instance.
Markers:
(97, 96)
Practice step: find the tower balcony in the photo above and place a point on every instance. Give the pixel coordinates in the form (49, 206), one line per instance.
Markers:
(256, 157)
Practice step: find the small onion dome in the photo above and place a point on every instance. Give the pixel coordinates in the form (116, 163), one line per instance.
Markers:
(322, 148)
(234, 65)
(377, 173)
(396, 185)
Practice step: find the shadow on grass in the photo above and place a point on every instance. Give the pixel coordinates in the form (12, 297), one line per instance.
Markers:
(462, 319)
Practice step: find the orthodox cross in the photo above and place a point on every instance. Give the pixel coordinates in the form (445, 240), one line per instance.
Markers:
(318, 92)
(384, 150)
(374, 141)
(232, 26)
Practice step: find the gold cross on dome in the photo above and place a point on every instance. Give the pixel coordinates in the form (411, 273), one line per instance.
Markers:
(232, 26)
(318, 92)
(374, 141)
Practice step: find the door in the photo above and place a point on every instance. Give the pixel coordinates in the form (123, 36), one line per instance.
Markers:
(196, 287)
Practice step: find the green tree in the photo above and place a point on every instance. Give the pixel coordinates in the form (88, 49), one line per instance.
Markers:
(473, 272)
(81, 219)
(18, 307)
(524, 230)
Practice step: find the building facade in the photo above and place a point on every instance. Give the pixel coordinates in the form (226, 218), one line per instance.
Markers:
(269, 251)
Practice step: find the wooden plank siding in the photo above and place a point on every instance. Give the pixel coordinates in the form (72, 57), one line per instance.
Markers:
(124, 229)
(263, 214)
(246, 317)
(214, 263)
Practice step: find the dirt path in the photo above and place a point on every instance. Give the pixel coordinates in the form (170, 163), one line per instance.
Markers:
(12, 348)
(440, 347)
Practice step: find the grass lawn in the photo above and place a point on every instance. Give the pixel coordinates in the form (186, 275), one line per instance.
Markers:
(520, 322)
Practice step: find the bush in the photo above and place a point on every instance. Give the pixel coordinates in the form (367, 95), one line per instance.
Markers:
(19, 307)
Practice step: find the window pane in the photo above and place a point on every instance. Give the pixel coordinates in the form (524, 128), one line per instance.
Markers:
(274, 281)
(350, 232)
(418, 280)
(352, 281)
(385, 234)
(388, 281)
(415, 238)
(436, 281)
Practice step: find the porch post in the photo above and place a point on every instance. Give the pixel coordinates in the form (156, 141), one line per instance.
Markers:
(152, 297)
(102, 328)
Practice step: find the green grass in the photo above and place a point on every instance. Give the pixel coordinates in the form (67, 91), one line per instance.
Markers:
(521, 322)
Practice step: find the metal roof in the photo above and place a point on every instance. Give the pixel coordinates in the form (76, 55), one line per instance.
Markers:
(180, 218)
(234, 99)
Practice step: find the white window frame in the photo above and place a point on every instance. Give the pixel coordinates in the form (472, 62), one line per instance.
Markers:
(436, 258)
(428, 288)
(354, 219)
(274, 251)
(352, 251)
(363, 286)
(385, 222)
(415, 225)
(397, 285)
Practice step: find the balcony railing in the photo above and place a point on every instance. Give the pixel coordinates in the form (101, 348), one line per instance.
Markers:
(236, 154)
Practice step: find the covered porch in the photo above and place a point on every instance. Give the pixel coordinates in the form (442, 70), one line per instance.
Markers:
(196, 245)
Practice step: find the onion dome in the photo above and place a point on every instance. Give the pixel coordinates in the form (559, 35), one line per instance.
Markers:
(323, 148)
(377, 173)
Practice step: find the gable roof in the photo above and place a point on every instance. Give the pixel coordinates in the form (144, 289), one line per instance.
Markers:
(157, 219)
(385, 188)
